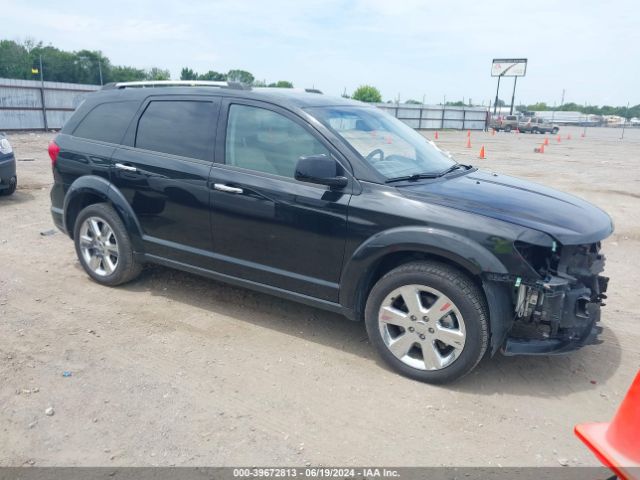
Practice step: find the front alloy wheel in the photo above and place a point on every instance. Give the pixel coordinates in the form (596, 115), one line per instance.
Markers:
(422, 327)
(428, 321)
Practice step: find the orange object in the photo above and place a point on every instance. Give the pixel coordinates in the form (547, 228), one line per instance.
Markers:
(546, 141)
(482, 157)
(559, 139)
(436, 134)
(542, 148)
(468, 133)
(468, 142)
(617, 444)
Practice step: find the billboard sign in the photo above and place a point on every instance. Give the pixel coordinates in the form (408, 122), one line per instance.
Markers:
(509, 67)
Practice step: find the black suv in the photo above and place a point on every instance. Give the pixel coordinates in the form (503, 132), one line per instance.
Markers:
(332, 203)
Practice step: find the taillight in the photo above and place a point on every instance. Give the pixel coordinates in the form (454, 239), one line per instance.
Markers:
(54, 150)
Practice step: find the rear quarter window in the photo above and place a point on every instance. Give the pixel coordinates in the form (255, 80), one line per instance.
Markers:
(107, 122)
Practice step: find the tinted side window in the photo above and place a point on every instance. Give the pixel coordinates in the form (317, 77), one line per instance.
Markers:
(266, 141)
(178, 127)
(107, 122)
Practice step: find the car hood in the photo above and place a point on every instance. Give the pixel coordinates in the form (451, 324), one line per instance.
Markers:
(570, 220)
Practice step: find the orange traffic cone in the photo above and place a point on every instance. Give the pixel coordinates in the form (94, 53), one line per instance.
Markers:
(542, 148)
(617, 444)
(546, 141)
(436, 135)
(468, 133)
(559, 139)
(468, 142)
(482, 157)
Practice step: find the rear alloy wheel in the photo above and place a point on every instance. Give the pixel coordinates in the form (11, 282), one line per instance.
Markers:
(103, 246)
(428, 321)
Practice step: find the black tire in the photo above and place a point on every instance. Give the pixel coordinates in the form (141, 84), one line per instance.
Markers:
(126, 268)
(507, 128)
(555, 130)
(13, 184)
(465, 295)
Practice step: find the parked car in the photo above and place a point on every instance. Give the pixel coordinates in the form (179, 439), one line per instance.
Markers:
(8, 177)
(505, 123)
(537, 125)
(335, 204)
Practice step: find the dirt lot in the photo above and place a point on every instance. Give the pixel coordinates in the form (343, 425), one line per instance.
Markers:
(174, 369)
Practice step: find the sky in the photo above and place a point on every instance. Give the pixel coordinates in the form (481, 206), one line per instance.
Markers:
(407, 48)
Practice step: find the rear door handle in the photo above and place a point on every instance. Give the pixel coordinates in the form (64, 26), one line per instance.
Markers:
(226, 188)
(128, 168)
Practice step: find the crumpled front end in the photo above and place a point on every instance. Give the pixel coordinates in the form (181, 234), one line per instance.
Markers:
(560, 311)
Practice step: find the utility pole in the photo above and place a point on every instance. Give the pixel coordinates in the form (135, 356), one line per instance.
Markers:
(625, 122)
(513, 95)
(100, 71)
(495, 104)
(44, 108)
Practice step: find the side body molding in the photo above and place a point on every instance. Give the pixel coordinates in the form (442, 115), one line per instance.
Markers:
(94, 185)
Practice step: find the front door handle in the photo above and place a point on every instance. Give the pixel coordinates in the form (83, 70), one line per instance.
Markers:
(128, 168)
(226, 188)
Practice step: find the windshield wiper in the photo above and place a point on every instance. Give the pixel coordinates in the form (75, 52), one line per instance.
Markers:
(453, 167)
(418, 176)
(414, 177)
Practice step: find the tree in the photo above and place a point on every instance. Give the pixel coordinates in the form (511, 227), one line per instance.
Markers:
(126, 74)
(538, 107)
(14, 60)
(241, 76)
(213, 76)
(411, 101)
(281, 84)
(188, 74)
(367, 93)
(156, 73)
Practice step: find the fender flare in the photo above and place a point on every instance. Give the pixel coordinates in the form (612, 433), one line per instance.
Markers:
(461, 250)
(94, 185)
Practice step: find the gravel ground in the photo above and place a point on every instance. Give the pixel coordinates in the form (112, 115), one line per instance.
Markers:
(174, 369)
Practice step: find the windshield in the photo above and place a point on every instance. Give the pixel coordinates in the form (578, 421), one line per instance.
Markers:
(388, 145)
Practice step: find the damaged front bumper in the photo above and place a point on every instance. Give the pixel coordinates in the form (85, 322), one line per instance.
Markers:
(559, 313)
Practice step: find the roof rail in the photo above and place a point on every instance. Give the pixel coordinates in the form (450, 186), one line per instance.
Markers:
(175, 83)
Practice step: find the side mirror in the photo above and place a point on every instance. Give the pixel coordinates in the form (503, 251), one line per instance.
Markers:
(320, 169)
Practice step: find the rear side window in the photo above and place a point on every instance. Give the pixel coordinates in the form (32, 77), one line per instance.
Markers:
(178, 127)
(107, 122)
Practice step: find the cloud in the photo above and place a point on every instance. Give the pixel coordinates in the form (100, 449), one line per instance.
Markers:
(411, 46)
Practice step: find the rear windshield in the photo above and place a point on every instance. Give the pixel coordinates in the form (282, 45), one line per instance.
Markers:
(107, 122)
